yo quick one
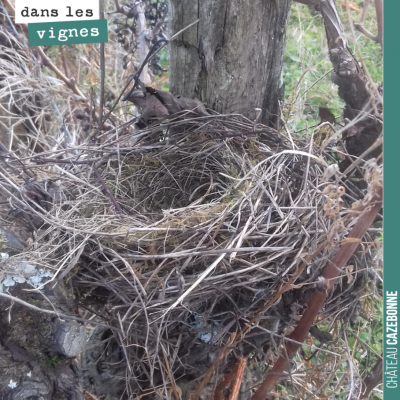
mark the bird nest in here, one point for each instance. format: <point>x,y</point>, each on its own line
<point>177,235</point>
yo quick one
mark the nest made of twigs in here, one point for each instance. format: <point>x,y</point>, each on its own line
<point>183,231</point>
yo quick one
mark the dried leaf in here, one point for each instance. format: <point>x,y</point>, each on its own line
<point>349,270</point>
<point>326,115</point>
<point>153,108</point>
<point>92,78</point>
<point>351,5</point>
<point>154,103</point>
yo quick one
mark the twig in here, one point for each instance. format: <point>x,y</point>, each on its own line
<point>170,375</point>
<point>58,314</point>
<point>378,38</point>
<point>235,338</point>
<point>107,191</point>
<point>364,11</point>
<point>236,376</point>
<point>379,20</point>
<point>135,80</point>
<point>330,276</point>
<point>69,82</point>
<point>355,163</point>
<point>64,61</point>
<point>138,13</point>
<point>160,44</point>
<point>92,396</point>
<point>46,60</point>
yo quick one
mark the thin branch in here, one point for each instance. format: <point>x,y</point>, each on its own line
<point>236,338</point>
<point>138,13</point>
<point>233,379</point>
<point>354,164</point>
<point>330,276</point>
<point>378,38</point>
<point>154,50</point>
<point>58,314</point>
<point>364,11</point>
<point>379,20</point>
<point>70,82</point>
<point>107,191</point>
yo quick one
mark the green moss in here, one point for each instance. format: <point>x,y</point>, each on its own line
<point>53,361</point>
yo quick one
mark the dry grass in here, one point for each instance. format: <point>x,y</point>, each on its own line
<point>175,233</point>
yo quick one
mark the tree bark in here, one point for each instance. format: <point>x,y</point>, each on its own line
<point>232,58</point>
